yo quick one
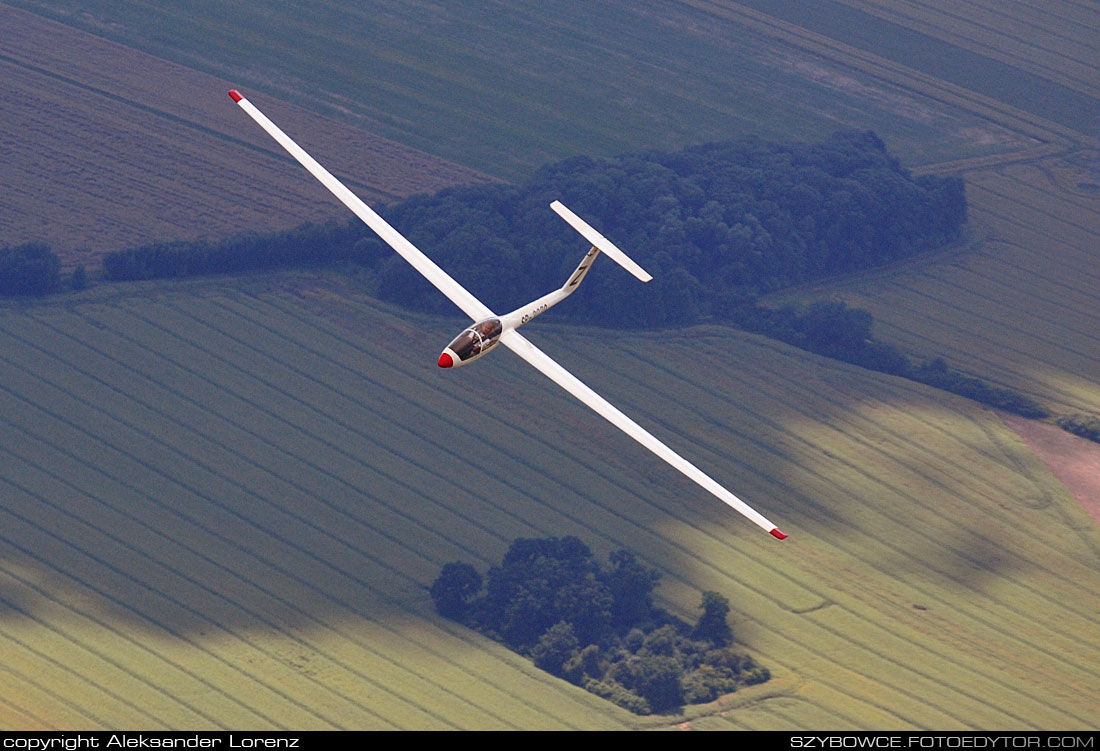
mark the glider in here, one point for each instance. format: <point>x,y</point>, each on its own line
<point>489,329</point>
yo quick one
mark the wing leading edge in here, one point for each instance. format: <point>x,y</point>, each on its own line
<point>454,291</point>
<point>559,375</point>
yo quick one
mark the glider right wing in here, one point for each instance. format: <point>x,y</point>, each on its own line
<point>559,375</point>
<point>511,338</point>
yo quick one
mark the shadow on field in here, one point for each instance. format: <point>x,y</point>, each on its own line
<point>246,475</point>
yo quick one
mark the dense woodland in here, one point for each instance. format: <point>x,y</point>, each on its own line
<point>29,269</point>
<point>718,225</point>
<point>550,600</point>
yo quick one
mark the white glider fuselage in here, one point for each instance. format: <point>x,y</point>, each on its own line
<point>482,337</point>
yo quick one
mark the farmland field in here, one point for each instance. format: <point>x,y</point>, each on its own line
<point>1019,306</point>
<point>930,37</point>
<point>106,147</point>
<point>1057,41</point>
<point>227,498</point>
<point>505,88</point>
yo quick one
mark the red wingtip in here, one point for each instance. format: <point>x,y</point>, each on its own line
<point>445,361</point>
<point>235,95</point>
<point>778,535</point>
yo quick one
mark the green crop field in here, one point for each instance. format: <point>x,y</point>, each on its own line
<point>1018,306</point>
<point>505,88</point>
<point>1054,40</point>
<point>224,502</point>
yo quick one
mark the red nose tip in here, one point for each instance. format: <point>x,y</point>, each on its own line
<point>445,361</point>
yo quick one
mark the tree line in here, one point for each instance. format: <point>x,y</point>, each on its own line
<point>718,225</point>
<point>1086,426</point>
<point>832,329</point>
<point>29,269</point>
<point>308,245</point>
<point>550,600</point>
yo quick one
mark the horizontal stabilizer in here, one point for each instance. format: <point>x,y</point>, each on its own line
<point>601,242</point>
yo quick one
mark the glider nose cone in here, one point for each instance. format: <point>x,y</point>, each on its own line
<point>445,360</point>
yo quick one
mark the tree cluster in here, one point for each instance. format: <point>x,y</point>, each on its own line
<point>716,224</point>
<point>1086,426</point>
<point>598,628</point>
<point>307,245</point>
<point>832,329</point>
<point>936,373</point>
<point>29,269</point>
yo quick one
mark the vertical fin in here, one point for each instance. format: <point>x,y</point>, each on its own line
<point>582,269</point>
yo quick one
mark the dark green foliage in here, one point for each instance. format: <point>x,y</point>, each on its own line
<point>618,694</point>
<point>307,245</point>
<point>707,684</point>
<point>936,373</point>
<point>631,585</point>
<point>543,582</point>
<point>712,626</point>
<point>597,628</point>
<point>722,671</point>
<point>716,224</point>
<point>713,223</point>
<point>79,279</point>
<point>834,330</point>
<point>1086,426</point>
<point>555,648</point>
<point>585,664</point>
<point>457,584</point>
<point>656,678</point>
<point>29,269</point>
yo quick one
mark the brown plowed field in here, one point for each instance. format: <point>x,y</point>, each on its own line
<point>124,149</point>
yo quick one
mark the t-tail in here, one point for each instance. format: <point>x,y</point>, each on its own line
<point>523,314</point>
<point>482,337</point>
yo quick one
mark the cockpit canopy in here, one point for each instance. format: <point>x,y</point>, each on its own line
<point>476,340</point>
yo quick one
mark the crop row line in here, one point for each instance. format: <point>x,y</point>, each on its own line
<point>120,543</point>
<point>224,318</point>
<point>752,585</point>
<point>304,491</point>
<point>990,623</point>
<point>941,707</point>
<point>950,25</point>
<point>674,394</point>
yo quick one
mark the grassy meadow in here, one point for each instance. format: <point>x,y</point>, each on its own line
<point>224,501</point>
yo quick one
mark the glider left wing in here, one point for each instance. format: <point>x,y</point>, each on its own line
<point>516,342</point>
<point>454,291</point>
